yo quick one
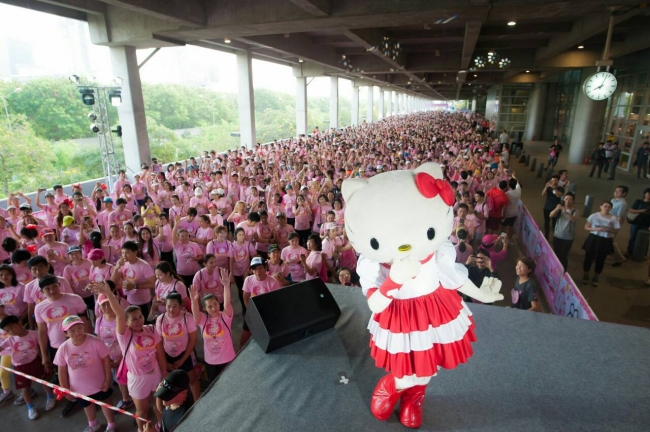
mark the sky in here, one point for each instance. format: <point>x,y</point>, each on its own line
<point>49,45</point>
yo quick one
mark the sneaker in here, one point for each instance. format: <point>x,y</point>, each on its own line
<point>50,404</point>
<point>32,414</point>
<point>594,281</point>
<point>124,405</point>
<point>585,278</point>
<point>69,407</point>
<point>21,401</point>
<point>4,397</point>
<point>93,428</point>
<point>110,429</point>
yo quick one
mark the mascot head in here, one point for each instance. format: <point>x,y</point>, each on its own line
<point>399,213</point>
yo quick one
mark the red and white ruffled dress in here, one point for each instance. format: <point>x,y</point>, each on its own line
<point>427,325</point>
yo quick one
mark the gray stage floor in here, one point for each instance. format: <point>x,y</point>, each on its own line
<point>529,372</point>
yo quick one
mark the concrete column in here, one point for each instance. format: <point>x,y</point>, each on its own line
<point>355,106</point>
<point>588,122</point>
<point>536,109</point>
<point>395,97</point>
<point>135,139</point>
<point>380,104</point>
<point>246,101</point>
<point>334,102</point>
<point>301,105</point>
<point>474,104</point>
<point>371,96</point>
<point>389,103</point>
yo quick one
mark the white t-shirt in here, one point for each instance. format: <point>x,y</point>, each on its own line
<point>596,220</point>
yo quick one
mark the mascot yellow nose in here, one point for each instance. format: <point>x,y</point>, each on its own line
<point>404,248</point>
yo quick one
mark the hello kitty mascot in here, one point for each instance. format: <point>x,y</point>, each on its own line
<point>400,222</point>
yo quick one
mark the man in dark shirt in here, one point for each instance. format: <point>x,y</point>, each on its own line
<point>641,160</point>
<point>553,196</point>
<point>598,160</point>
<point>479,267</point>
<point>615,159</point>
<point>173,399</point>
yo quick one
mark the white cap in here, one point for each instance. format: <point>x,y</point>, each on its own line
<point>256,261</point>
<point>219,191</point>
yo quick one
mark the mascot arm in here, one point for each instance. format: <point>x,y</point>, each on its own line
<point>487,293</point>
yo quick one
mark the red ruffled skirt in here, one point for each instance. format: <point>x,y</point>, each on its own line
<point>417,336</point>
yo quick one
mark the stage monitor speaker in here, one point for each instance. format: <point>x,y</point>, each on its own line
<point>287,315</point>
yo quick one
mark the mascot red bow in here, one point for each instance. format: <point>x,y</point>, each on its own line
<point>400,223</point>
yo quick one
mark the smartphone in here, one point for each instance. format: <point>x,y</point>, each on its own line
<point>503,234</point>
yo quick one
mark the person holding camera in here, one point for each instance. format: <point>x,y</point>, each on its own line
<point>479,266</point>
<point>565,228</point>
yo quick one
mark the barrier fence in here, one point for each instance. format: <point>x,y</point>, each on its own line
<point>561,292</point>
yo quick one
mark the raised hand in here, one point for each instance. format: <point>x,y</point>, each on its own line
<point>195,293</point>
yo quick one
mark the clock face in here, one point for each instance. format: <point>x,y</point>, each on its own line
<point>600,85</point>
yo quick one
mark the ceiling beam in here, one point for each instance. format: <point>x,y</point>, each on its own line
<point>639,40</point>
<point>472,32</point>
<point>581,30</point>
<point>87,6</point>
<point>319,8</point>
<point>188,12</point>
<point>48,8</point>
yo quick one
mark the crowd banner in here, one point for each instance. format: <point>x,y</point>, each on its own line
<point>560,290</point>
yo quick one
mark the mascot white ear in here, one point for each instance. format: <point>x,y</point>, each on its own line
<point>431,168</point>
<point>350,186</point>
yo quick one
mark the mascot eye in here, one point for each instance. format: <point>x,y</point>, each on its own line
<point>374,244</point>
<point>431,233</point>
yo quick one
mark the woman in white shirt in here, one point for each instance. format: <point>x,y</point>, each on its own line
<point>602,227</point>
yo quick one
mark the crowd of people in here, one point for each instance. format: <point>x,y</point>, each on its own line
<point>123,285</point>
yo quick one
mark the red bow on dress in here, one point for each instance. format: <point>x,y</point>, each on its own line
<point>431,187</point>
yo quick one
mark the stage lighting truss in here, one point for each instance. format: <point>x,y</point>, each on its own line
<point>504,63</point>
<point>100,98</point>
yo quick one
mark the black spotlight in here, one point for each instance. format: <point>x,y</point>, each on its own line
<point>115,96</point>
<point>87,96</point>
<point>95,128</point>
<point>118,131</point>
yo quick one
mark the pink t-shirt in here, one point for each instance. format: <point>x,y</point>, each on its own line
<point>209,283</point>
<point>141,355</point>
<point>249,230</point>
<point>163,289</point>
<point>289,201</point>
<point>185,264</point>
<point>23,350</point>
<point>204,234</point>
<point>33,293</point>
<point>175,332</point>
<point>137,273</point>
<point>12,297</point>
<point>101,274</point>
<point>106,331</point>
<point>190,227</point>
<point>282,235</point>
<point>222,252</point>
<point>263,232</point>
<point>217,339</point>
<point>242,254</point>
<point>78,277</point>
<point>302,219</point>
<point>279,268</point>
<point>296,269</point>
<point>315,260</point>
<point>165,246</point>
<point>85,368</point>
<point>60,250</point>
<point>256,287</point>
<point>23,274</point>
<point>119,217</point>
<point>53,312</point>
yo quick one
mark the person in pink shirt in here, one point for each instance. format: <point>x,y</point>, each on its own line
<point>135,276</point>
<point>70,231</point>
<point>289,201</point>
<point>282,231</point>
<point>19,260</point>
<point>143,354</point>
<point>119,184</point>
<point>220,247</point>
<point>188,223</point>
<point>148,250</point>
<point>50,208</point>
<point>55,252</point>
<point>199,201</point>
<point>462,220</point>
<point>497,246</point>
<point>22,347</point>
<point>315,264</point>
<point>12,293</point>
<point>331,243</point>
<point>204,233</point>
<point>39,267</point>
<point>100,270</point>
<point>120,214</point>
<point>59,196</point>
<point>463,249</point>
<point>85,367</point>
<point>77,273</point>
<point>242,252</point>
<point>188,254</point>
<point>139,189</point>
<point>163,240</point>
<point>114,238</point>
<point>167,282</point>
<point>303,215</point>
<point>275,267</point>
<point>208,279</point>
<point>291,255</point>
<point>263,234</point>
<point>177,329</point>
<point>216,219</point>
<point>215,325</point>
<point>256,284</point>
<point>105,329</point>
<point>238,214</point>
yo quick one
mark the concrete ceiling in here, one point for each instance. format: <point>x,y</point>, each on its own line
<point>440,39</point>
